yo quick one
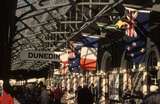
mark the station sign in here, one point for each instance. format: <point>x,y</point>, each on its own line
<point>40,56</point>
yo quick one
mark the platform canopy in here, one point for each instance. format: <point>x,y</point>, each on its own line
<point>48,26</point>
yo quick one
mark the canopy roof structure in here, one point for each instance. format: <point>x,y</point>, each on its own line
<point>58,20</point>
<point>48,25</point>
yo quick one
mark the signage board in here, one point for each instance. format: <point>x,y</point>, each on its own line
<point>40,56</point>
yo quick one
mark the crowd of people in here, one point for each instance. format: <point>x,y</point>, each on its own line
<point>38,93</point>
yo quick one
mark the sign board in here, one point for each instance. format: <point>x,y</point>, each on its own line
<point>40,56</point>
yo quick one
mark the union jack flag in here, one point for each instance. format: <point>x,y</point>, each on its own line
<point>131,16</point>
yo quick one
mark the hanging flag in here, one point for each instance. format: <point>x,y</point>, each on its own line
<point>136,42</point>
<point>88,59</point>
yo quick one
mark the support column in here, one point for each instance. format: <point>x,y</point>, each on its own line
<point>7,21</point>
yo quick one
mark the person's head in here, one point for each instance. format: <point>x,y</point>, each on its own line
<point>41,84</point>
<point>43,87</point>
<point>79,87</point>
<point>85,85</point>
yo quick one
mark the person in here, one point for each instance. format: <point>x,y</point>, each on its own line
<point>85,96</point>
<point>94,91</point>
<point>71,96</point>
<point>57,95</point>
<point>44,97</point>
<point>152,97</point>
<point>64,98</point>
<point>7,94</point>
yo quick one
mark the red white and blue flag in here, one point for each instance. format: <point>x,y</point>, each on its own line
<point>138,26</point>
<point>131,15</point>
<point>88,59</point>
